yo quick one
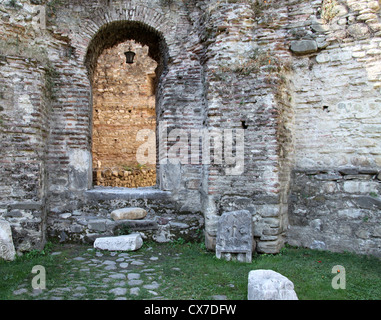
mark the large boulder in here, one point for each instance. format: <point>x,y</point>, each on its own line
<point>128,214</point>
<point>7,248</point>
<point>131,242</point>
<point>270,285</point>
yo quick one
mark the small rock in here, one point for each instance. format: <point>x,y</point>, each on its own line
<point>133,276</point>
<point>153,286</point>
<point>79,259</point>
<point>65,215</point>
<point>153,292</point>
<point>119,291</point>
<point>119,276</point>
<point>162,221</point>
<point>37,292</point>
<point>135,291</point>
<point>80,288</point>
<point>135,282</point>
<point>19,292</point>
<point>111,267</point>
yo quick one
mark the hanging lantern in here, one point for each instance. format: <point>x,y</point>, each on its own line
<point>130,55</point>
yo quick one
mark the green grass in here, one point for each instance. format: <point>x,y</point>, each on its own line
<point>203,275</point>
<point>188,271</point>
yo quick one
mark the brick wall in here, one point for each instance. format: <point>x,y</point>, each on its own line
<point>123,104</point>
<point>300,78</point>
<point>23,139</point>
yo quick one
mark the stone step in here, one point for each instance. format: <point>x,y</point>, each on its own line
<point>138,225</point>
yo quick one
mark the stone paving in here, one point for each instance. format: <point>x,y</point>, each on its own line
<point>101,275</point>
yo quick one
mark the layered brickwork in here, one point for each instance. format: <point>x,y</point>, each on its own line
<point>300,78</point>
<point>247,68</point>
<point>23,138</point>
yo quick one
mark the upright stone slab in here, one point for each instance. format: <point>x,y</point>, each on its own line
<point>270,285</point>
<point>130,242</point>
<point>235,236</point>
<point>7,248</point>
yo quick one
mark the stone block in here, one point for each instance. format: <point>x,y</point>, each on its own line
<point>270,246</point>
<point>304,46</point>
<point>138,225</point>
<point>7,249</point>
<point>129,214</point>
<point>358,30</point>
<point>98,225</point>
<point>131,242</point>
<point>270,285</point>
<point>235,236</point>
<point>210,242</point>
<point>360,187</point>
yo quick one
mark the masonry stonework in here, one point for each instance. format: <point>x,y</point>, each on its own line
<point>301,79</point>
<point>123,104</point>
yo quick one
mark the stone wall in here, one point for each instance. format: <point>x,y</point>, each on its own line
<point>163,223</point>
<point>336,210</point>
<point>337,79</point>
<point>23,137</point>
<point>300,79</point>
<point>131,178</point>
<point>123,104</point>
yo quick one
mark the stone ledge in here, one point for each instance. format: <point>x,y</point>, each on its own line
<point>107,193</point>
<point>138,225</point>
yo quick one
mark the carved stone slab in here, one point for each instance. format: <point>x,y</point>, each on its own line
<point>7,248</point>
<point>235,236</point>
<point>131,242</point>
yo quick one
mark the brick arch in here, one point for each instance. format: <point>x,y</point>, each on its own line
<point>104,17</point>
<point>117,32</point>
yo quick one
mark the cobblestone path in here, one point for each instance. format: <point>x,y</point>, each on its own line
<point>93,274</point>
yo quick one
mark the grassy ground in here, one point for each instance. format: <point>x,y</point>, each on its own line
<point>190,272</point>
